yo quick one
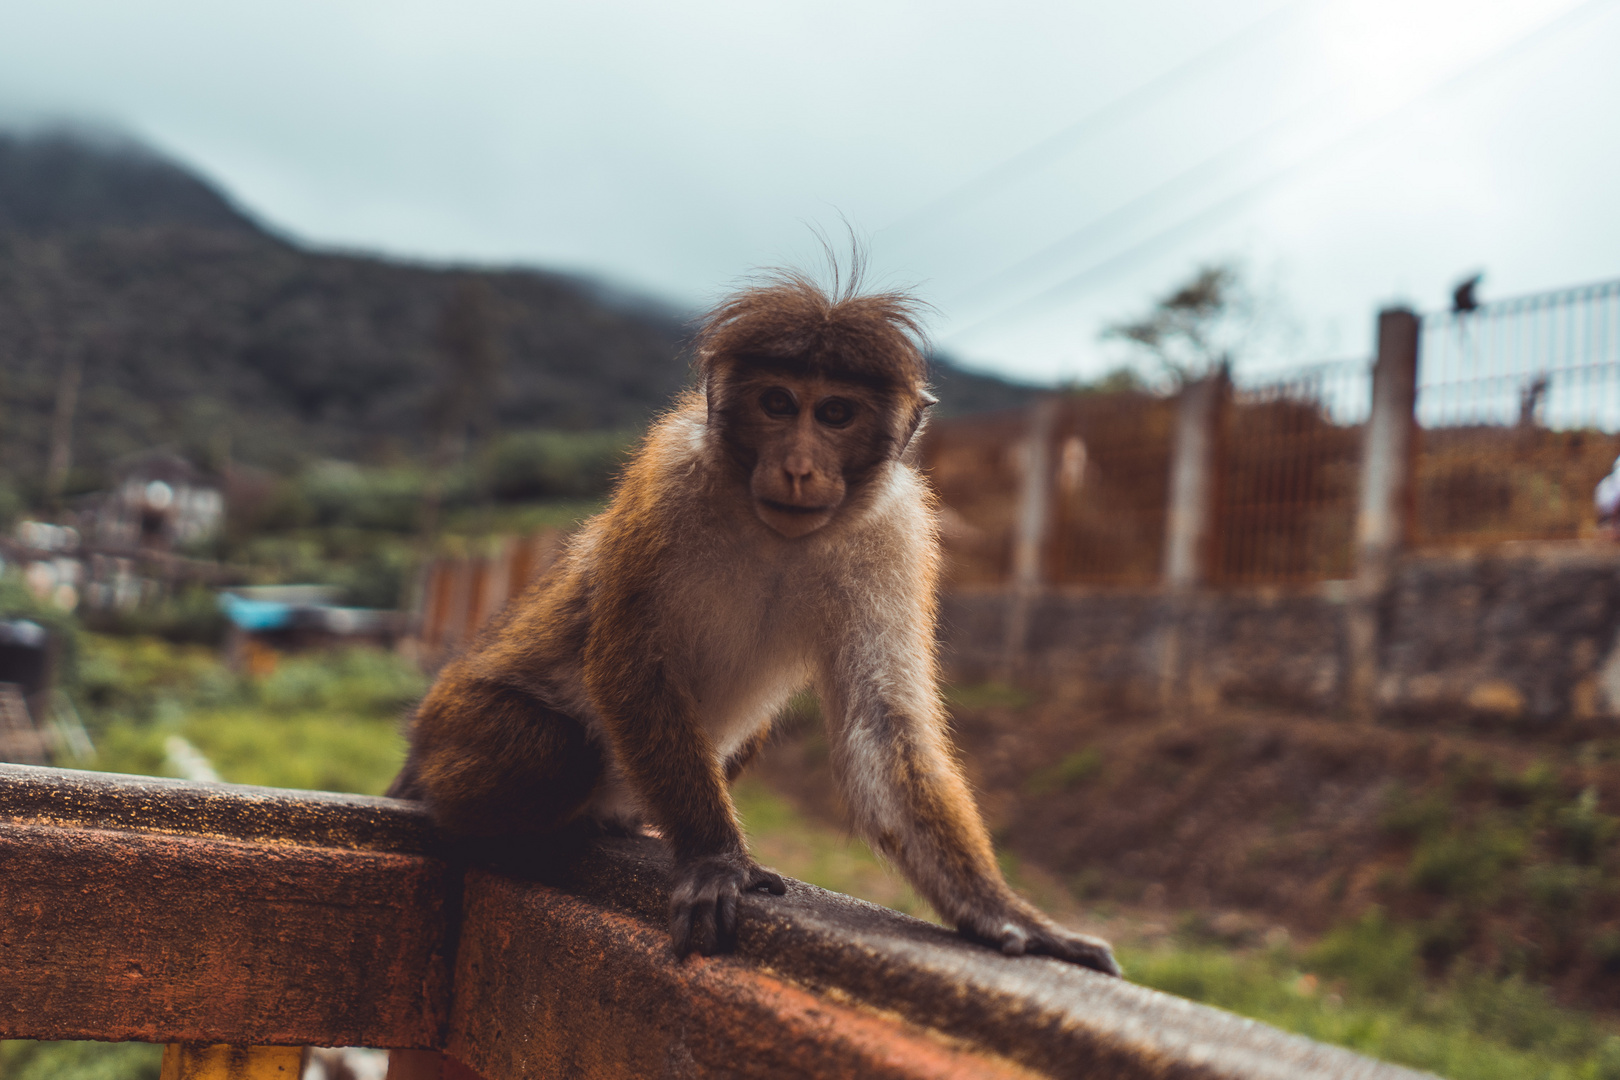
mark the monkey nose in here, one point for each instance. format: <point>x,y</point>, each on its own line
<point>798,470</point>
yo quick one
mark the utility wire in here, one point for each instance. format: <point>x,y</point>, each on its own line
<point>1167,237</point>
<point>1055,146</point>
<point>1141,206</point>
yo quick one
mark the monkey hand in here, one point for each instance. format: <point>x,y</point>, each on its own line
<point>1018,929</point>
<point>703,900</point>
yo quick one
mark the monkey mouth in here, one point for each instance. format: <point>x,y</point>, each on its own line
<point>790,508</point>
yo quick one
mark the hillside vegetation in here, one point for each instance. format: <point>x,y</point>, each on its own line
<point>179,321</point>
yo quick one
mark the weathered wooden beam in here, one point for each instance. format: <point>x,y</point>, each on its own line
<point>168,912</point>
<point>171,912</point>
<point>571,975</point>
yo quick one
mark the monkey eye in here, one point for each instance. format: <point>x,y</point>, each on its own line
<point>835,411</point>
<point>778,402</point>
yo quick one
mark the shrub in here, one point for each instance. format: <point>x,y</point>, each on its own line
<point>555,464</point>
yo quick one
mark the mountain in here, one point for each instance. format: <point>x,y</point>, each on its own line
<point>186,324</point>
<point>61,181</point>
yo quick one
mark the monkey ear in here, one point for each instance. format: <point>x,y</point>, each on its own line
<point>925,401</point>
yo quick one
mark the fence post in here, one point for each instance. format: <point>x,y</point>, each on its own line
<point>1384,516</point>
<point>1189,531</point>
<point>1029,535</point>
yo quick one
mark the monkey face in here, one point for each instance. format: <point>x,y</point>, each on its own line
<point>804,443</point>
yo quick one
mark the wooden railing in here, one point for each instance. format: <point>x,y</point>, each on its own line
<point>233,923</point>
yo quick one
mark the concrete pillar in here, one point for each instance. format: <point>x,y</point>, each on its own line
<point>1189,531</point>
<point>1384,517</point>
<point>1030,532</point>
<point>1190,528</point>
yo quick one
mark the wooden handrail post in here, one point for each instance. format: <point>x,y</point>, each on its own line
<point>202,1061</point>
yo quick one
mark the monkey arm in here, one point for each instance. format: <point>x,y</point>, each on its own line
<point>652,723</point>
<point>907,794</point>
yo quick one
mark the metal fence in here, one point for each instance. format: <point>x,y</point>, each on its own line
<point>1291,450</point>
<point>1519,408</point>
<point>1517,414</point>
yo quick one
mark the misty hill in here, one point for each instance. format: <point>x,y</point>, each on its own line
<point>63,182</point>
<point>192,327</point>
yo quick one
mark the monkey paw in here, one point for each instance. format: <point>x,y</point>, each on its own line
<point>703,901</point>
<point>1016,933</point>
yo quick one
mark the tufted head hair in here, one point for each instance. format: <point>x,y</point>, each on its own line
<point>790,323</point>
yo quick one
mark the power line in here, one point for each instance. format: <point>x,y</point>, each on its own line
<point>1167,237</point>
<point>1055,146</point>
<point>1140,206</point>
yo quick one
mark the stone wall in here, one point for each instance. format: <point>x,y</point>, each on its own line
<point>1517,632</point>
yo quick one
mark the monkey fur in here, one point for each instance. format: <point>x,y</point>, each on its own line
<point>768,535</point>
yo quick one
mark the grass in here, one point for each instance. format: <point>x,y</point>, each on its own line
<point>21,1060</point>
<point>326,721</point>
<point>1361,987</point>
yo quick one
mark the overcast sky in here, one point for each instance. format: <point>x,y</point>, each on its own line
<point>1034,169</point>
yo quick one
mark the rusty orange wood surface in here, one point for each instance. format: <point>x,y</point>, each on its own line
<point>170,912</point>
<point>120,933</point>
<point>598,993</point>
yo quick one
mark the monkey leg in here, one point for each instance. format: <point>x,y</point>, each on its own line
<point>492,760</point>
<point>748,751</point>
<point>910,802</point>
<point>670,762</point>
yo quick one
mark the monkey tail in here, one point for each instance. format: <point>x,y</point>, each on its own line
<point>408,784</point>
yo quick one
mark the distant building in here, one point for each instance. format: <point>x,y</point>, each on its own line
<point>160,501</point>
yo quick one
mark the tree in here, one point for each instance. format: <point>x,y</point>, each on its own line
<point>1197,326</point>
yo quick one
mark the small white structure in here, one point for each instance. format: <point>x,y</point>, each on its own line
<point>160,501</point>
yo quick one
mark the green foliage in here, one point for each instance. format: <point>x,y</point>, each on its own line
<point>1363,986</point>
<point>369,567</point>
<point>1492,844</point>
<point>327,721</point>
<point>987,695</point>
<point>12,504</point>
<point>20,1060</point>
<point>1584,829</point>
<point>1378,957</point>
<point>191,616</point>
<point>340,493</point>
<point>1466,862</point>
<point>1409,817</point>
<point>555,464</point>
<point>1072,769</point>
<point>1196,326</point>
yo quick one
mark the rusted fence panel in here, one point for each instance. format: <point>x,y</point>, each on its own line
<point>1106,484</point>
<point>462,592</point>
<point>164,911</point>
<point>1287,449</point>
<point>1290,474</point>
<point>1519,405</point>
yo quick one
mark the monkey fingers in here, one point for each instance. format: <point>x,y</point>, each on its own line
<point>703,901</point>
<point>1019,933</point>
<point>1072,948</point>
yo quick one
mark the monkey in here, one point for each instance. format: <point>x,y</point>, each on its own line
<point>771,533</point>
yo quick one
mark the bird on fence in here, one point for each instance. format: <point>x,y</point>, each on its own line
<point>1463,299</point>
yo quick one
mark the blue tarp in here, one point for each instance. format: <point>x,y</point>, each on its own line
<point>256,614</point>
